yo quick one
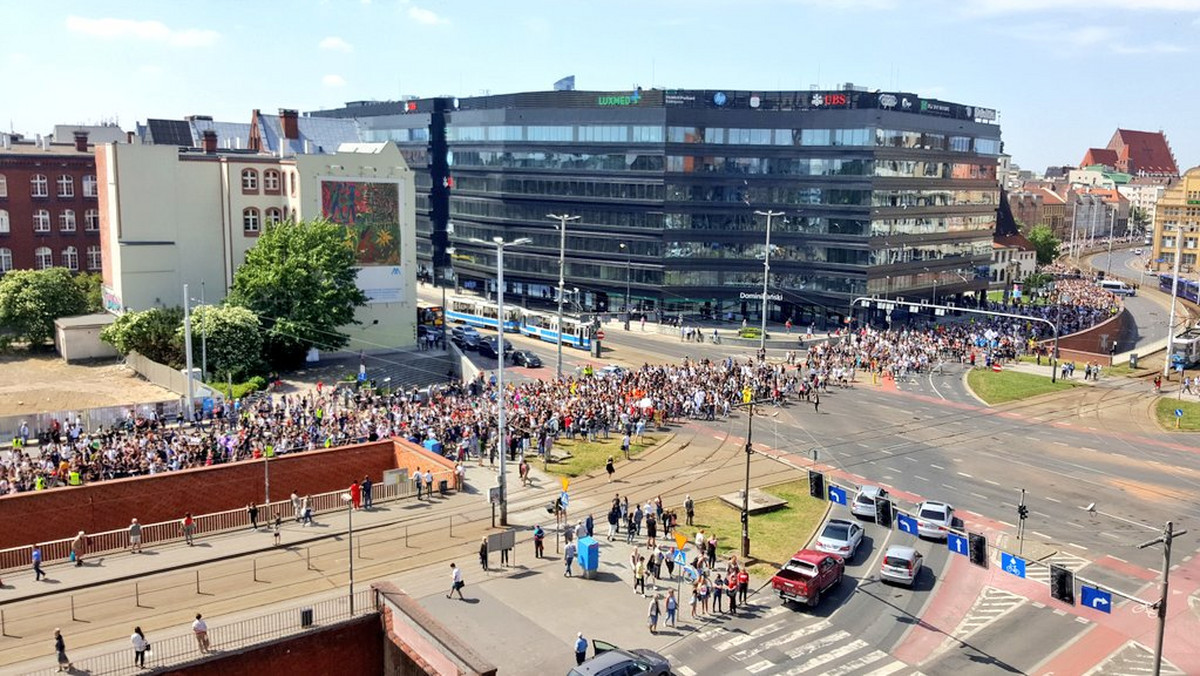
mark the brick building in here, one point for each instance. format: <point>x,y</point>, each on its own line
<point>49,213</point>
<point>1138,153</point>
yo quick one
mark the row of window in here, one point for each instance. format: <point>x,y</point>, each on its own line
<point>272,181</point>
<point>583,133</point>
<point>557,161</point>
<point>747,251</point>
<point>747,222</point>
<point>66,221</point>
<point>39,186</point>
<point>43,258</point>
<point>252,219</point>
<point>464,207</point>
<point>398,135</point>
<point>561,188</point>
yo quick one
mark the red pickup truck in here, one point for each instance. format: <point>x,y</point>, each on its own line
<point>808,575</point>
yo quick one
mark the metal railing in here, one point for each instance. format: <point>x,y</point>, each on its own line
<point>164,532</point>
<point>183,648</point>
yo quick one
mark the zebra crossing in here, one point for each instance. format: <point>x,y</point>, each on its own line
<point>780,648</point>
<point>1132,658</point>
<point>991,605</point>
<point>1041,573</point>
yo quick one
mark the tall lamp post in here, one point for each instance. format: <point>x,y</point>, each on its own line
<point>350,544</point>
<point>628,249</point>
<point>500,245</point>
<point>562,219</point>
<point>762,339</point>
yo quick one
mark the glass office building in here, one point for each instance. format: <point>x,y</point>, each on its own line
<point>881,194</point>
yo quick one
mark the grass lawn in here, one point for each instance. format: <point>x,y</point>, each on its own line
<point>1164,411</point>
<point>587,456</point>
<point>997,388</point>
<point>774,536</point>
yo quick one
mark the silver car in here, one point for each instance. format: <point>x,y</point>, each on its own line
<point>934,519</point>
<point>840,537</point>
<point>901,565</point>
<point>610,660</point>
<point>863,503</point>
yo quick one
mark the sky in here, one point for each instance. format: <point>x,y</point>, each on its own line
<point>1064,74</point>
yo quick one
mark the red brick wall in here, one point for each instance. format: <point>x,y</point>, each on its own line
<point>40,516</point>
<point>18,169</point>
<point>352,648</point>
<point>1088,345</point>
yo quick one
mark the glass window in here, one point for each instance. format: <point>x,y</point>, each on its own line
<point>505,133</point>
<point>5,260</point>
<point>3,186</point>
<point>783,137</point>
<point>70,258</point>
<point>89,186</point>
<point>987,146</point>
<point>43,258</point>
<point>714,135</point>
<point>466,134</point>
<point>249,180</point>
<point>66,220</point>
<point>66,186</point>
<point>39,186</point>
<point>684,134</point>
<point>550,133</point>
<point>647,134</point>
<point>4,225</point>
<point>960,144</point>
<point>93,257</point>
<point>91,220</point>
<point>271,180</point>
<point>41,221</point>
<point>603,133</point>
<point>814,137</point>
<point>250,221</point>
<point>274,216</point>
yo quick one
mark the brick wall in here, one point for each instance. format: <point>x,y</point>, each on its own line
<point>355,647</point>
<point>60,513</point>
<point>1094,343</point>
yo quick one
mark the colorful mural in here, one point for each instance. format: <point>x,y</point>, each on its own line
<point>371,213</point>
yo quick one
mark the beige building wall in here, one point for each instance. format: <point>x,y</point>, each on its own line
<point>1178,213</point>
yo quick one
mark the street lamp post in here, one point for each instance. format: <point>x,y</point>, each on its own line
<point>628,249</point>
<point>562,219</point>
<point>762,339</point>
<point>500,245</point>
<point>350,544</point>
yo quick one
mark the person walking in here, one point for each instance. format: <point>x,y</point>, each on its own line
<point>569,558</point>
<point>483,553</point>
<point>614,517</point>
<point>296,504</point>
<point>429,482</point>
<point>580,649</point>
<point>79,548</point>
<point>135,536</point>
<point>639,576</point>
<point>417,482</point>
<point>140,646</point>
<point>456,582</point>
<point>610,468</point>
<point>200,629</point>
<point>652,614</point>
<point>306,512</point>
<point>278,526</point>
<point>36,555</point>
<point>672,605</point>
<point>366,492</point>
<point>689,510</point>
<point>60,652</point>
<point>539,542</point>
<point>252,512</point>
<point>188,528</point>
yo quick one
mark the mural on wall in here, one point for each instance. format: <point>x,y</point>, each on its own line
<point>370,210</point>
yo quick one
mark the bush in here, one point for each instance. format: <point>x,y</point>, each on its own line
<point>151,333</point>
<point>240,390</point>
<point>751,332</point>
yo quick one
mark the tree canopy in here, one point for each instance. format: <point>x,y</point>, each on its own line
<point>300,280</point>
<point>230,336</point>
<point>30,301</point>
<point>1046,244</point>
<point>152,333</point>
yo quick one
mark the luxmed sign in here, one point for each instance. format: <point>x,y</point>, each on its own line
<point>619,100</point>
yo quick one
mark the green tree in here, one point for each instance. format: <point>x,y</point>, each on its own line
<point>91,284</point>
<point>232,335</point>
<point>300,280</point>
<point>1043,239</point>
<point>152,333</point>
<point>1139,220</point>
<point>30,301</point>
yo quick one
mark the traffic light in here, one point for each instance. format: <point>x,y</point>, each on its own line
<point>816,484</point>
<point>1022,512</point>
<point>977,549</point>
<point>883,512</point>
<point>1062,584</point>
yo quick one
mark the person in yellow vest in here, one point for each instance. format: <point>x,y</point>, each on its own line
<point>40,483</point>
<point>74,478</point>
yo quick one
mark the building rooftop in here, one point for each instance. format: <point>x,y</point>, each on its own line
<point>1148,152</point>
<point>24,147</point>
<point>97,133</point>
<point>1102,156</point>
<point>316,134</point>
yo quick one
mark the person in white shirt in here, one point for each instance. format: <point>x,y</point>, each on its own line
<point>456,582</point>
<point>140,646</point>
<point>200,628</point>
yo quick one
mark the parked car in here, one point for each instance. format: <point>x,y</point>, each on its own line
<point>465,337</point>
<point>934,519</point>
<point>901,565</point>
<point>864,502</point>
<point>526,358</point>
<point>807,575</point>
<point>840,537</point>
<point>609,660</point>
<point>488,347</point>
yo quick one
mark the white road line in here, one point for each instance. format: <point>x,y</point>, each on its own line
<point>835,654</point>
<point>1109,556</point>
<point>1061,443</point>
<point>760,666</point>
<point>864,661</point>
<point>882,450</point>
<point>1028,437</point>
<point>683,670</point>
<point>1040,534</point>
<point>818,644</point>
<point>1110,535</point>
<point>767,629</point>
<point>1047,497</point>
<point>888,670</point>
<point>915,476</point>
<point>936,466</point>
<point>1072,544</point>
<point>994,483</point>
<point>910,459</point>
<point>962,474</point>
<point>978,495</point>
<point>948,487</point>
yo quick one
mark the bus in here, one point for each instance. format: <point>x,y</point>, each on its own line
<point>1189,289</point>
<point>544,325</point>
<point>429,314</point>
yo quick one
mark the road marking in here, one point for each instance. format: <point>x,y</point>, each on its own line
<point>835,654</point>
<point>981,497</point>
<point>864,661</point>
<point>948,487</point>
<point>1040,534</point>
<point>888,670</point>
<point>1072,544</point>
<point>884,450</point>
<point>994,483</point>
<point>1061,443</point>
<point>964,474</point>
<point>1110,535</point>
<point>910,459</point>
<point>957,459</point>
<point>685,671</point>
<point>760,666</point>
<point>743,655</point>
<point>936,466</point>
<point>1053,499</point>
<point>1027,437</point>
<point>920,477</point>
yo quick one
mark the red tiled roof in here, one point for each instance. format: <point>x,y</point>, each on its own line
<point>1104,156</point>
<point>1049,196</point>
<point>1147,152</point>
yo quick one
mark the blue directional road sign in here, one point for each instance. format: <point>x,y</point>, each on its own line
<point>680,557</point>
<point>1179,413</point>
<point>1013,565</point>
<point>906,524</point>
<point>957,544</point>
<point>564,499</point>
<point>1096,598</point>
<point>837,495</point>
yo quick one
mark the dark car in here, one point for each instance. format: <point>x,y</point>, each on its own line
<point>613,661</point>
<point>488,347</point>
<point>526,358</point>
<point>466,337</point>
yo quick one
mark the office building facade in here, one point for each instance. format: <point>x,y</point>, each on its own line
<point>881,194</point>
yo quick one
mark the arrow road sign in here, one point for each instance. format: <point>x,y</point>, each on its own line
<point>906,523</point>
<point>1179,413</point>
<point>957,544</point>
<point>837,495</point>
<point>1096,598</point>
<point>1012,565</point>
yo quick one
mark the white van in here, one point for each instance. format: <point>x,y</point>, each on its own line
<point>1117,287</point>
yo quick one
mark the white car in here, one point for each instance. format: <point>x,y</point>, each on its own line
<point>610,371</point>
<point>1137,252</point>
<point>840,537</point>
<point>863,503</point>
<point>934,519</point>
<point>901,565</point>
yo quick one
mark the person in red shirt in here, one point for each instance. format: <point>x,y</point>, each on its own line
<point>743,584</point>
<point>356,494</point>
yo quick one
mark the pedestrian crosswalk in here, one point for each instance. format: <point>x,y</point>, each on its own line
<point>1132,658</point>
<point>1041,573</point>
<point>991,605</point>
<point>782,647</point>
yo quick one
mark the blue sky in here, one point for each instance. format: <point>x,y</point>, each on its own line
<point>1063,73</point>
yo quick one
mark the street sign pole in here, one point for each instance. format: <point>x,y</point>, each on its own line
<point>1165,539</point>
<point>746,492</point>
<point>1021,512</point>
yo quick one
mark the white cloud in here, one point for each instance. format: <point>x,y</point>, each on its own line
<point>1152,48</point>
<point>1057,35</point>
<point>333,81</point>
<point>149,31</point>
<point>426,16</point>
<point>334,43</point>
<point>1014,6</point>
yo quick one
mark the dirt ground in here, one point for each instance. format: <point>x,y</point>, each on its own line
<point>33,384</point>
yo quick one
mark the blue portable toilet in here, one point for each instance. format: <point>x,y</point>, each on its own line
<point>588,556</point>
